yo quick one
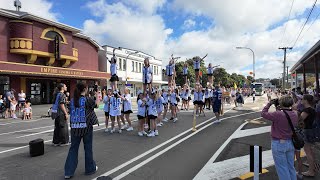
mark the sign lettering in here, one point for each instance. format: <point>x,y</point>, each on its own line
<point>60,71</point>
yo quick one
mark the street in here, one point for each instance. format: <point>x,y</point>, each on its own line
<point>177,153</point>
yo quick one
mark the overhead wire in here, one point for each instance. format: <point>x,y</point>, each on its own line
<point>314,4</point>
<point>314,20</point>
<point>285,27</point>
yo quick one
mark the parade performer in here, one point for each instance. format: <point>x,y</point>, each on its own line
<point>174,104</point>
<point>170,68</point>
<point>152,115</point>
<point>142,105</point>
<point>115,111</point>
<point>160,104</point>
<point>165,96</point>
<point>216,105</point>
<point>198,98</point>
<point>147,76</point>
<point>106,108</point>
<point>113,69</point>
<point>210,71</point>
<point>196,65</point>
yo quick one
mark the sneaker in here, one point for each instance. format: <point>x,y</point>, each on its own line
<point>197,115</point>
<point>130,129</point>
<point>159,125</point>
<point>151,134</point>
<point>140,134</point>
<point>119,131</point>
<point>165,120</point>
<point>112,131</point>
<point>219,121</point>
<point>106,130</point>
<point>144,133</point>
<point>156,133</point>
<point>124,127</point>
<point>66,144</point>
<point>55,145</point>
<point>175,120</point>
<point>14,116</point>
<point>216,122</point>
<point>67,177</point>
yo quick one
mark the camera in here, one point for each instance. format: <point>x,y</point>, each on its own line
<point>275,102</point>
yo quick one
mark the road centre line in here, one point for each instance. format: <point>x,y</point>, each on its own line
<point>22,121</point>
<point>163,144</point>
<point>24,130</point>
<point>167,149</point>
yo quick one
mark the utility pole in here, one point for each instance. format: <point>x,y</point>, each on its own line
<point>284,64</point>
<point>287,76</point>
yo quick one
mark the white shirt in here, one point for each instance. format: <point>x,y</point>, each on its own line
<point>113,66</point>
<point>115,104</point>
<point>127,103</point>
<point>173,98</point>
<point>185,70</point>
<point>198,96</point>
<point>165,97</point>
<point>21,97</point>
<point>169,69</point>
<point>159,103</point>
<point>152,108</point>
<point>106,106</point>
<point>147,74</point>
<point>141,108</point>
<point>196,64</point>
<point>210,70</point>
<point>207,93</point>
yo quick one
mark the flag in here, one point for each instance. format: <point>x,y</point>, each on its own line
<point>235,86</point>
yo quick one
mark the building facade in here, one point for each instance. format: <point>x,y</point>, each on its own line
<point>36,54</point>
<point>130,63</point>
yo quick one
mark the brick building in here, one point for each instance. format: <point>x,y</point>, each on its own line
<point>37,53</point>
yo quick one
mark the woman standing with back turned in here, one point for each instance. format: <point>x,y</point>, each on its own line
<point>82,120</point>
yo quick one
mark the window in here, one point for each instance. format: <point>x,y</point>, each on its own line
<point>136,66</point>
<point>124,65</point>
<point>157,70</point>
<point>120,63</point>
<point>52,35</point>
<point>140,67</point>
<point>132,66</point>
<point>154,69</point>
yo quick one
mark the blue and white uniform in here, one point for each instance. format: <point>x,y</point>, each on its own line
<point>147,75</point>
<point>115,106</point>
<point>127,105</point>
<point>141,109</point>
<point>185,71</point>
<point>217,96</point>
<point>106,106</point>
<point>165,97</point>
<point>173,99</point>
<point>196,65</point>
<point>210,71</point>
<point>160,102</point>
<point>113,69</point>
<point>152,109</point>
<point>198,98</point>
<point>170,69</point>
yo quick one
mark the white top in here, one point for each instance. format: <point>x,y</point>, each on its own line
<point>21,97</point>
<point>173,98</point>
<point>152,108</point>
<point>207,93</point>
<point>233,92</point>
<point>198,96</point>
<point>159,103</point>
<point>184,95</point>
<point>106,106</point>
<point>185,71</point>
<point>147,74</point>
<point>115,104</point>
<point>113,66</point>
<point>165,97</point>
<point>27,110</point>
<point>141,108</point>
<point>196,64</point>
<point>169,69</point>
<point>127,103</point>
<point>210,70</point>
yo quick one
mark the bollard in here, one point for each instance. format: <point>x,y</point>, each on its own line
<point>256,161</point>
<point>194,118</point>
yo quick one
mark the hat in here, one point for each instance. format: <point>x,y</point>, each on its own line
<point>109,88</point>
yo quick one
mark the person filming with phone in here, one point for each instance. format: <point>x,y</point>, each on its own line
<point>283,149</point>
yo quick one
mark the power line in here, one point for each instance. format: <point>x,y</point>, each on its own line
<point>285,27</point>
<point>314,4</point>
<point>311,24</point>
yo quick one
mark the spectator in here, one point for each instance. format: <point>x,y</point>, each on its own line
<point>9,95</point>
<point>21,99</point>
<point>81,130</point>
<point>308,116</point>
<point>13,106</point>
<point>281,134</point>
<point>27,111</point>
<point>61,132</point>
<point>2,106</point>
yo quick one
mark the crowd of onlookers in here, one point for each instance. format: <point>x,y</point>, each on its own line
<point>12,103</point>
<point>303,111</point>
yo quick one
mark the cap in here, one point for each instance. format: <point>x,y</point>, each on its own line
<point>109,88</point>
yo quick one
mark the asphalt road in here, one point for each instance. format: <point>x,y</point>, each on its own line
<point>177,153</point>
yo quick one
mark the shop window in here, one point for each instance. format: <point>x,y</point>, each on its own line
<point>140,67</point>
<point>124,65</point>
<point>120,63</point>
<point>132,66</point>
<point>4,84</point>
<point>154,69</point>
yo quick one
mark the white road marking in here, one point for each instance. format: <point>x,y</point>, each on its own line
<point>24,130</point>
<point>253,131</point>
<point>22,121</point>
<point>234,167</point>
<point>161,145</point>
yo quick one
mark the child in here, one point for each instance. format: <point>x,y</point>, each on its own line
<point>185,72</point>
<point>13,105</point>
<point>113,69</point>
<point>210,74</point>
<point>141,113</point>
<point>196,65</point>
<point>127,107</point>
<point>165,98</point>
<point>106,108</point>
<point>160,103</point>
<point>115,112</point>
<point>27,111</point>
<point>147,76</point>
<point>152,115</point>
<point>197,99</point>
<point>174,104</point>
<point>170,72</point>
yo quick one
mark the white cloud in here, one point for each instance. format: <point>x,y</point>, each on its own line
<point>189,23</point>
<point>42,8</point>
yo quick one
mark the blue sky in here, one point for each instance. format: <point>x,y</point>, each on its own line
<point>190,28</point>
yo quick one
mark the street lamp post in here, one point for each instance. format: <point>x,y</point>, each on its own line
<point>127,64</point>
<point>253,57</point>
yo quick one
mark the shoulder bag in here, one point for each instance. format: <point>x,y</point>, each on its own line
<point>297,136</point>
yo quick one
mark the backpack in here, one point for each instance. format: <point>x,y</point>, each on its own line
<point>78,118</point>
<point>55,107</point>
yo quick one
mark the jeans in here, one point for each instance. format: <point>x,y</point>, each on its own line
<point>72,159</point>
<point>283,156</point>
